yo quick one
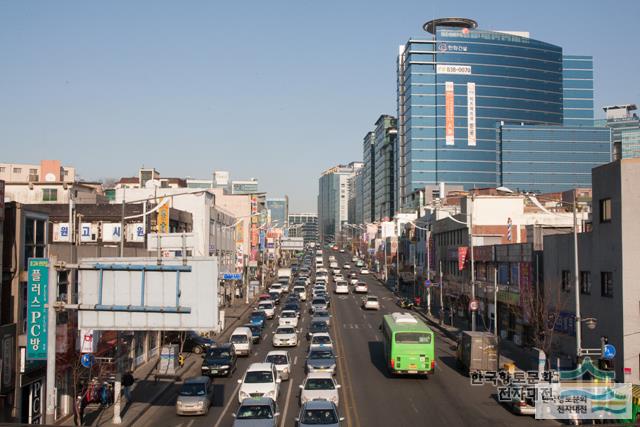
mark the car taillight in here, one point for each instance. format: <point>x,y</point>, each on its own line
<point>393,363</point>
<point>522,403</point>
<point>433,364</point>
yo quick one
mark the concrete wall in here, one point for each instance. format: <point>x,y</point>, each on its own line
<point>630,191</point>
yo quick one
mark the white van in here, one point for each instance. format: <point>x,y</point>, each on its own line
<point>241,340</point>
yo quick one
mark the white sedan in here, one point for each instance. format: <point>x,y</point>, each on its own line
<point>319,385</point>
<point>288,318</point>
<point>364,271</point>
<point>346,267</point>
<point>361,288</point>
<point>280,358</point>
<point>342,287</point>
<point>370,303</point>
<point>285,336</point>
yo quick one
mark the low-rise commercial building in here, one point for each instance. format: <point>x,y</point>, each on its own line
<point>608,271</point>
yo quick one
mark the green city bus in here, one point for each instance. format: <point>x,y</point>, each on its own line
<point>409,345</point>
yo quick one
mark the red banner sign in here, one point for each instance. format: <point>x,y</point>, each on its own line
<point>462,256</point>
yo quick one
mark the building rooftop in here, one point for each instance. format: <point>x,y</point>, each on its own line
<point>432,25</point>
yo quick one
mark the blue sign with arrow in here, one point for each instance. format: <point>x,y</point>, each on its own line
<point>232,276</point>
<point>427,283</point>
<point>609,351</point>
<point>87,360</point>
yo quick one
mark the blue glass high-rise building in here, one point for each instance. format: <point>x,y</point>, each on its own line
<point>457,87</point>
<point>577,81</point>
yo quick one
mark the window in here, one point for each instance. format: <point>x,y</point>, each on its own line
<point>585,282</point>
<point>605,210</point>
<point>2,169</point>
<point>606,284</point>
<point>33,171</point>
<point>35,240</point>
<point>49,195</point>
<point>566,280</point>
<point>17,170</point>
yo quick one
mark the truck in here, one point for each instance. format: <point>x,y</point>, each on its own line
<point>477,351</point>
<point>284,273</point>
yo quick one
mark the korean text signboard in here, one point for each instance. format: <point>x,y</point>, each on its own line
<point>36,311</point>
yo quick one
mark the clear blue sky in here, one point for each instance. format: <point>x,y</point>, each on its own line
<point>276,90</point>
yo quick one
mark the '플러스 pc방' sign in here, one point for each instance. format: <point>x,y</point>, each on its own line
<point>36,311</point>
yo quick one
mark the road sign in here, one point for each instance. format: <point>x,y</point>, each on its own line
<point>87,360</point>
<point>427,283</point>
<point>232,276</point>
<point>609,351</point>
<point>473,305</point>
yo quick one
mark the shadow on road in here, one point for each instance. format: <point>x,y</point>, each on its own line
<point>452,362</point>
<point>376,355</point>
<point>218,395</point>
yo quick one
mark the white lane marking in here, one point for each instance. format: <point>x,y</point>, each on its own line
<point>295,360</point>
<point>191,423</point>
<point>264,337</point>
<point>370,327</point>
<point>286,404</point>
<point>232,398</point>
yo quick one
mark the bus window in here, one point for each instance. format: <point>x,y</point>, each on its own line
<point>413,338</point>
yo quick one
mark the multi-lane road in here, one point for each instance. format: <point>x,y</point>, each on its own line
<point>369,396</point>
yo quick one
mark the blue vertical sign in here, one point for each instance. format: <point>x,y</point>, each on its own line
<point>36,312</point>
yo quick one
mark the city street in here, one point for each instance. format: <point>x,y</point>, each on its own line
<point>369,397</point>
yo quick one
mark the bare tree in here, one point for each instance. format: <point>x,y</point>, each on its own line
<point>541,314</point>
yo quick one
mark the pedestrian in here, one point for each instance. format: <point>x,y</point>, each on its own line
<point>127,382</point>
<point>237,292</point>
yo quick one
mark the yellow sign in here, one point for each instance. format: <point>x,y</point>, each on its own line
<point>163,218</point>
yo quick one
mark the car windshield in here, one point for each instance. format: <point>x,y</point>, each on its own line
<point>319,384</point>
<point>413,338</point>
<point>257,316</point>
<point>258,377</point>
<point>254,412</point>
<point>319,416</point>
<point>322,313</point>
<point>318,301</point>
<point>322,339</point>
<point>218,353</point>
<point>288,314</point>
<point>192,389</point>
<point>267,305</point>
<point>372,299</point>
<point>285,331</point>
<point>321,354</point>
<point>238,339</point>
<point>277,359</point>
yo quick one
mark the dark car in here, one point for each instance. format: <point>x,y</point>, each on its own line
<point>197,344</point>
<point>294,297</point>
<point>259,318</point>
<point>292,306</point>
<point>256,332</point>
<point>316,327</point>
<point>219,360</point>
<point>275,296</point>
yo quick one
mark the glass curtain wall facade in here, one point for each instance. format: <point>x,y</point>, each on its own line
<point>304,225</point>
<point>384,179</point>
<point>333,199</point>
<point>454,88</point>
<point>279,208</point>
<point>546,159</point>
<point>368,171</point>
<point>577,79</point>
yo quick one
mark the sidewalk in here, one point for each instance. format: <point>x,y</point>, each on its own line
<point>147,389</point>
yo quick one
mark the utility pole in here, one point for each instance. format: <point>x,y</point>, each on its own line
<point>576,279</point>
<point>474,313</point>
<point>428,233</point>
<point>495,300</point>
<point>441,296</point>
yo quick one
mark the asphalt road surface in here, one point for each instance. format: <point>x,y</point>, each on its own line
<point>369,396</point>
